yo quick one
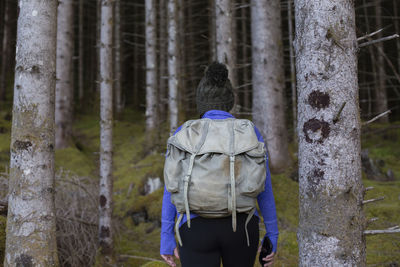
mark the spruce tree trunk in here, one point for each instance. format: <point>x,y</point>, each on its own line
<point>6,48</point>
<point>373,65</point>
<point>224,33</point>
<point>182,70</point>
<point>331,191</point>
<point>163,69</point>
<point>64,82</point>
<point>292,70</point>
<point>245,57</point>
<point>106,128</point>
<point>397,29</point>
<point>268,80</point>
<point>212,29</point>
<point>172,65</point>
<point>380,87</point>
<point>119,105</point>
<point>81,54</point>
<point>151,65</point>
<point>31,222</point>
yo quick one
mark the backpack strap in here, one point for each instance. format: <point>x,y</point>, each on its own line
<point>247,222</point>
<point>233,191</point>
<point>186,181</point>
<point>178,236</point>
<point>232,174</point>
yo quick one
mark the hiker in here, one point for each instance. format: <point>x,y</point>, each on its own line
<point>215,171</point>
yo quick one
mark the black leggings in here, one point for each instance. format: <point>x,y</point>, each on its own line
<point>208,241</point>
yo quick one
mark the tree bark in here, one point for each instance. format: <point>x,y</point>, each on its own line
<point>380,88</point>
<point>151,64</point>
<point>106,128</point>
<point>31,223</point>
<point>331,192</point>
<point>6,48</point>
<point>81,37</point>
<point>292,70</point>
<point>397,29</point>
<point>119,105</point>
<point>225,48</point>
<point>64,82</point>
<point>245,69</point>
<point>163,69</point>
<point>172,65</point>
<point>373,61</point>
<point>268,80</point>
<point>212,29</point>
<point>182,70</point>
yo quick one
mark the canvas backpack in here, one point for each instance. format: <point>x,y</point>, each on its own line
<point>215,168</point>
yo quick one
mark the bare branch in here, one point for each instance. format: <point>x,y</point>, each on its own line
<point>377,117</point>
<point>369,188</point>
<point>379,40</point>
<point>369,35</point>
<point>377,232</point>
<point>373,200</point>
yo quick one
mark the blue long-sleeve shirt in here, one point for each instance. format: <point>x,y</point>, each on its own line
<point>265,201</point>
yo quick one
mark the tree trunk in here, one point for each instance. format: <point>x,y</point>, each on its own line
<point>98,43</point>
<point>330,187</point>
<point>136,58</point>
<point>373,61</point>
<point>181,69</point>
<point>172,65</point>
<point>31,224</point>
<point>151,63</point>
<point>119,105</point>
<point>397,29</point>
<point>225,49</point>
<point>6,49</point>
<point>292,70</point>
<point>380,88</point>
<point>245,57</point>
<point>268,80</point>
<point>212,26</point>
<point>163,71</point>
<point>64,82</point>
<point>81,37</point>
<point>106,123</point>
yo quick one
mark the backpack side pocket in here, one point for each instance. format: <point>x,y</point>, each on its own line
<point>174,168</point>
<point>252,171</point>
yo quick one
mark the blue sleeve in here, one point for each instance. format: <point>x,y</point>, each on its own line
<point>168,214</point>
<point>266,203</point>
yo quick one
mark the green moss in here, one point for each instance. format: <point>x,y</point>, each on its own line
<point>75,161</point>
<point>382,142</point>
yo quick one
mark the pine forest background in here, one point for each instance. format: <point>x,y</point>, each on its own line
<point>139,145</point>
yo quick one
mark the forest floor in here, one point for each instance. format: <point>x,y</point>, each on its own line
<point>137,215</point>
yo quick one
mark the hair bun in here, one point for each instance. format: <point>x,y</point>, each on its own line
<point>217,74</point>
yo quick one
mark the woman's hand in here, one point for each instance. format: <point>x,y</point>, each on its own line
<point>269,259</point>
<point>169,259</point>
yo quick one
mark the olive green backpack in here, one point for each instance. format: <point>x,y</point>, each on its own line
<point>215,168</point>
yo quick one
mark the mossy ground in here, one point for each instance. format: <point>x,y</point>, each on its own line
<point>135,160</point>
